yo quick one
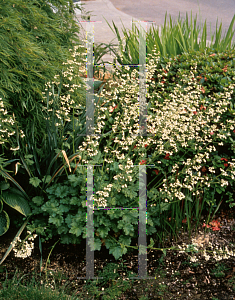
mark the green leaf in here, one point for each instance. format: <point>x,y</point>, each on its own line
<point>125,240</point>
<point>103,231</point>
<point>15,238</point>
<point>116,251</point>
<point>96,245</point>
<point>46,178</point>
<point>57,220</point>
<point>17,202</point>
<point>38,200</point>
<point>4,222</point>
<point>4,185</point>
<point>75,230</point>
<point>35,181</point>
<point>128,229</point>
<point>151,243</point>
<point>164,206</point>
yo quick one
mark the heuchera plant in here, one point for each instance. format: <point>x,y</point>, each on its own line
<point>190,142</point>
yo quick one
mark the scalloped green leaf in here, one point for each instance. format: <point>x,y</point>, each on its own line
<point>116,251</point>
<point>35,181</point>
<point>17,202</point>
<point>4,222</point>
<point>4,185</point>
<point>38,200</point>
<point>97,244</point>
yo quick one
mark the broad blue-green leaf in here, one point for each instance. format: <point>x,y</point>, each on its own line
<point>17,202</point>
<point>4,222</point>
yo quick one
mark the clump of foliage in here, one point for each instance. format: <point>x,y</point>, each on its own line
<point>191,131</point>
<point>35,42</point>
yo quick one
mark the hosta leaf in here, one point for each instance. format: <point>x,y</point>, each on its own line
<point>17,202</point>
<point>4,222</point>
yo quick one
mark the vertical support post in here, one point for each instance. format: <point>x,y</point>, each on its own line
<point>142,82</point>
<point>90,79</point>
<point>142,240</point>
<point>89,226</point>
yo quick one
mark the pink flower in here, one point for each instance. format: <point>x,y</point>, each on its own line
<point>212,133</point>
<point>194,112</point>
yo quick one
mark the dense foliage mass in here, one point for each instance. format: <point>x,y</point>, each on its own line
<point>190,105</point>
<point>35,42</point>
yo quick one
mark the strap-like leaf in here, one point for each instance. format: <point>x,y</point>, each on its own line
<point>15,238</point>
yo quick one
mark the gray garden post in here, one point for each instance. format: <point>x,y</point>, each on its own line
<point>142,243</point>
